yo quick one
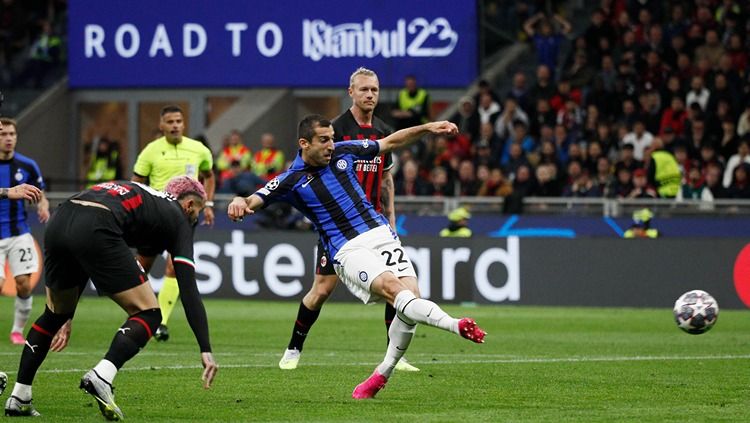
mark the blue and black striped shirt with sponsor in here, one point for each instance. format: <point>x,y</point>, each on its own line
<point>16,171</point>
<point>330,196</point>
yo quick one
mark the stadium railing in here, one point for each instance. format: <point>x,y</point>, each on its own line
<point>438,206</point>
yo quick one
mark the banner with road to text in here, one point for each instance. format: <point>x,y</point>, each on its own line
<point>516,271</point>
<point>295,43</point>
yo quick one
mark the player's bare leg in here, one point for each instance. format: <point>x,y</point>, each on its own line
<point>309,310</point>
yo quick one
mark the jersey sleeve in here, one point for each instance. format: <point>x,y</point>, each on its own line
<point>184,268</point>
<point>207,160</point>
<point>366,149</point>
<point>36,178</point>
<point>143,163</point>
<point>277,189</point>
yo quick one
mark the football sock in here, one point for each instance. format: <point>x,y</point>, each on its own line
<point>400,333</point>
<point>38,341</point>
<point>305,319</point>
<point>23,310</point>
<point>22,391</point>
<point>424,311</point>
<point>168,296</point>
<point>132,336</point>
<point>106,370</point>
<point>390,314</point>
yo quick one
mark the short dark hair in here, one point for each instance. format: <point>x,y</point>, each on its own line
<point>307,125</point>
<point>171,108</point>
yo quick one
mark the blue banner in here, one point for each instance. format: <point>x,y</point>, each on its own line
<point>241,43</point>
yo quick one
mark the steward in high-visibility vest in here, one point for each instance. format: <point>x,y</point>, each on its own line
<point>641,227</point>
<point>666,173</point>
<point>457,228</point>
<point>413,105</point>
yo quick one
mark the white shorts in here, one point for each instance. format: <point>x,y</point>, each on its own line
<point>365,257</point>
<point>21,254</point>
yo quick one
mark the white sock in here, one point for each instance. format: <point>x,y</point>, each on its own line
<point>400,333</point>
<point>106,370</point>
<point>23,310</point>
<point>424,311</point>
<point>21,391</point>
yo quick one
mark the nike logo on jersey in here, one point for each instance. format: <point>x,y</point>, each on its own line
<point>31,347</point>
<point>307,182</point>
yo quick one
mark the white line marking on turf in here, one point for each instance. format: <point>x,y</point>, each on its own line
<point>540,360</point>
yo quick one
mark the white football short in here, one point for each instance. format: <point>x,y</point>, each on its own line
<point>21,254</point>
<point>365,257</point>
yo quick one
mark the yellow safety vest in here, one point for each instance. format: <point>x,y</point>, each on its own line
<point>407,102</point>
<point>458,233</point>
<point>668,176</point>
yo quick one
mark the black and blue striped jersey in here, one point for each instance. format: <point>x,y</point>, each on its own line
<point>16,171</point>
<point>330,196</point>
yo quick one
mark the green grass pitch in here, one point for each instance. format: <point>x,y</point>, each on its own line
<point>539,364</point>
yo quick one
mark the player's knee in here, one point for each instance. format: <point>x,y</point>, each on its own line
<point>393,285</point>
<point>150,318</point>
<point>322,289</point>
<point>23,285</point>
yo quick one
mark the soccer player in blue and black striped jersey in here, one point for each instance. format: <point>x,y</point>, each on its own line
<point>16,243</point>
<point>367,254</point>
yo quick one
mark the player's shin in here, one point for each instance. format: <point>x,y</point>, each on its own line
<point>129,339</point>
<point>305,319</point>
<point>37,345</point>
<point>168,295</point>
<point>400,334</point>
<point>424,311</point>
<point>22,311</point>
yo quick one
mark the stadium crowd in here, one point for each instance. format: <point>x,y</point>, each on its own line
<point>651,100</point>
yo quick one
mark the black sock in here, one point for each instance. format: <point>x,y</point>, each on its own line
<point>132,336</point>
<point>37,345</point>
<point>390,314</point>
<point>305,319</point>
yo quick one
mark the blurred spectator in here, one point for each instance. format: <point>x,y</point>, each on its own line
<point>579,73</point>
<point>580,184</point>
<point>548,183</point>
<point>458,224</point>
<point>695,187</point>
<point>698,93</point>
<point>742,156</point>
<point>413,105</point>
<point>408,181</point>
<point>542,115</point>
<point>519,137</point>
<point>697,136</point>
<point>439,185</point>
<point>640,139</point>
<point>593,154</point>
<point>45,53</point>
<point>674,117</point>
<point>519,91</point>
<point>729,139</point>
<point>714,182</point>
<point>496,185</point>
<point>623,184</point>
<point>544,88</point>
<point>524,185</point>
<point>599,29</point>
<point>488,109</point>
<point>508,117</point>
<point>547,39</point>
<point>740,186</point>
<point>468,185</point>
<point>269,161</point>
<point>641,187</point>
<point>711,50</point>
<point>239,180</point>
<point>484,87</point>
<point>466,117</point>
<point>234,151</point>
<point>104,162</point>
<point>738,53</point>
<point>743,123</point>
<point>708,157</point>
<point>663,170</point>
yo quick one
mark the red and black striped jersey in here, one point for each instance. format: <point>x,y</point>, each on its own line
<point>369,172</point>
<point>150,220</point>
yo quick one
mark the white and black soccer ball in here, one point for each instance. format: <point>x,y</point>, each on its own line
<point>696,312</point>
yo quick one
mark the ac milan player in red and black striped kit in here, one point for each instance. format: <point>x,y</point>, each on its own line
<point>357,123</point>
<point>89,237</point>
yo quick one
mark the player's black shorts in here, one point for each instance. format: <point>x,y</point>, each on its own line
<point>83,242</point>
<point>323,263</point>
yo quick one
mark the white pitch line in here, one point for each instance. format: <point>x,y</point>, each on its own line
<point>529,360</point>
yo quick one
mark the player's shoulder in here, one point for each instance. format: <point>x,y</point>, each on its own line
<point>381,126</point>
<point>22,158</point>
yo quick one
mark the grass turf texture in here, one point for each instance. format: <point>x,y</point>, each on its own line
<point>539,364</point>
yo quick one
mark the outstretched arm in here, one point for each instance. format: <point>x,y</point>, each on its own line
<point>241,206</point>
<point>407,136</point>
<point>565,26</point>
<point>22,192</point>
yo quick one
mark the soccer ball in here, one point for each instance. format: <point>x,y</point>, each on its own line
<point>696,312</point>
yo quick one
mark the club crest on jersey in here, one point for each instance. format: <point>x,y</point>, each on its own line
<point>365,144</point>
<point>341,164</point>
<point>323,261</point>
<point>18,176</point>
<point>363,276</point>
<point>272,184</point>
